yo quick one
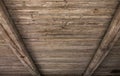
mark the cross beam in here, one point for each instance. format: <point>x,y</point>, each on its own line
<point>14,40</point>
<point>106,44</point>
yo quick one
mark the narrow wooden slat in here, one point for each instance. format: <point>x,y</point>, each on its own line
<point>13,39</point>
<point>106,44</point>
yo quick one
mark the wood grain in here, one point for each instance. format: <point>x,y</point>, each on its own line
<point>12,37</point>
<point>106,44</point>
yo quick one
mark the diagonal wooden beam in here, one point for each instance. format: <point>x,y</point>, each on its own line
<point>14,40</point>
<point>106,44</point>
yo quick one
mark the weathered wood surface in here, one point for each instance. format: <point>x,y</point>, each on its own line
<point>61,33</point>
<point>111,62</point>
<point>106,44</point>
<point>9,62</point>
<point>12,37</point>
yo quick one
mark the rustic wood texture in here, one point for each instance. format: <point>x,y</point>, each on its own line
<point>9,63</point>
<point>111,62</point>
<point>11,36</point>
<point>61,35</point>
<point>106,44</point>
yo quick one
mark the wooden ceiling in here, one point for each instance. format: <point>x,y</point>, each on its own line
<point>59,38</point>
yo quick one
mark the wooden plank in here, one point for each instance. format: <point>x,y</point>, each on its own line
<point>13,39</point>
<point>106,44</point>
<point>62,12</point>
<point>62,4</point>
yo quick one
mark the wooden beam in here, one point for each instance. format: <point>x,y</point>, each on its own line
<point>106,44</point>
<point>14,40</point>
